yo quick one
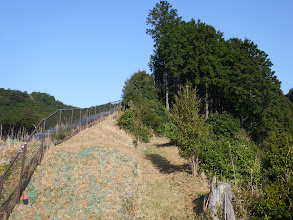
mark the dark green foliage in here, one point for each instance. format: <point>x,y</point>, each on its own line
<point>191,129</point>
<point>223,124</point>
<point>273,204</point>
<point>242,102</point>
<point>131,121</point>
<point>171,131</point>
<point>19,109</point>
<point>144,114</point>
<point>290,95</point>
<point>231,159</point>
<point>139,88</point>
<point>276,202</point>
<point>150,118</point>
<point>231,75</point>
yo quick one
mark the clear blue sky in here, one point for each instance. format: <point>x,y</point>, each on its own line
<point>82,51</point>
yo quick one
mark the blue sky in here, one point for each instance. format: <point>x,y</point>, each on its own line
<point>82,51</point>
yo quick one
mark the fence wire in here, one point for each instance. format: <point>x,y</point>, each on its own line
<point>57,127</point>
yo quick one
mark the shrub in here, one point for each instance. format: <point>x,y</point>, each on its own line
<point>231,159</point>
<point>224,124</point>
<point>192,131</point>
<point>277,199</point>
<point>273,204</point>
<point>130,120</point>
<point>170,130</point>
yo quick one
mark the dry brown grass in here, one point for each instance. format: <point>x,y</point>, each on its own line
<point>162,188</point>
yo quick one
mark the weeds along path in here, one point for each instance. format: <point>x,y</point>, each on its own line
<point>100,174</point>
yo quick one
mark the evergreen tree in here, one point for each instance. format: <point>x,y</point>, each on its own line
<point>163,20</point>
<point>192,132</point>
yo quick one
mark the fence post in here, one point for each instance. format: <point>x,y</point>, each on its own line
<point>21,173</point>
<point>95,110</point>
<point>71,121</point>
<point>87,119</point>
<point>80,120</point>
<point>59,123</point>
<point>42,143</point>
<point>1,185</point>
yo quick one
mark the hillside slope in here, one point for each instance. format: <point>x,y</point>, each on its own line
<point>20,109</point>
<point>101,174</point>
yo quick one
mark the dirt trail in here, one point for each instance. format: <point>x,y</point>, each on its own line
<point>101,174</point>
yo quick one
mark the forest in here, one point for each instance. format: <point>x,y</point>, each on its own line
<point>20,110</point>
<point>220,102</point>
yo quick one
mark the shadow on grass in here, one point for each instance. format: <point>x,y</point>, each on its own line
<point>169,144</point>
<point>198,204</point>
<point>165,166</point>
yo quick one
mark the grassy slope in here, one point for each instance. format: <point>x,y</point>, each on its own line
<point>99,173</point>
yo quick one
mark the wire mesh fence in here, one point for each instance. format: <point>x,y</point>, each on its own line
<point>57,127</point>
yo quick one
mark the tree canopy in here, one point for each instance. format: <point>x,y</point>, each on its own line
<point>231,75</point>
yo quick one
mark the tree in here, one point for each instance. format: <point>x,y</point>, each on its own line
<point>163,19</point>
<point>290,95</point>
<point>251,89</point>
<point>138,89</point>
<point>144,112</point>
<point>192,131</point>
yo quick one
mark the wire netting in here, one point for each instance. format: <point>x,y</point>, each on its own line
<point>10,188</point>
<point>91,184</point>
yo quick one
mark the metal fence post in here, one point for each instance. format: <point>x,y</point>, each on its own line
<point>95,110</point>
<point>87,118</point>
<point>71,122</point>
<point>1,185</point>
<point>80,120</point>
<point>21,173</point>
<point>42,143</point>
<point>59,123</point>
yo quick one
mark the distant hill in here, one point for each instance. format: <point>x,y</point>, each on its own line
<point>20,109</point>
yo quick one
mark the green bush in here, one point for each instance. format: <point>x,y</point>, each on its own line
<point>191,129</point>
<point>150,117</point>
<point>224,124</point>
<point>277,199</point>
<point>274,203</point>
<point>130,120</point>
<point>231,159</point>
<point>127,119</point>
<point>170,130</point>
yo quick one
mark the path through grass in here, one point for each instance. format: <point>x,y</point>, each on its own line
<point>100,174</point>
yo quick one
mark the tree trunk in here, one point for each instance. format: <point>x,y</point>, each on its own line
<point>166,88</point>
<point>242,120</point>
<point>194,165</point>
<point>206,103</point>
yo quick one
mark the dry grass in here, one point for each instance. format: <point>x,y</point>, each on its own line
<point>147,181</point>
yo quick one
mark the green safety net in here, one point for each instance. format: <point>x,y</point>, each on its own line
<point>91,184</point>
